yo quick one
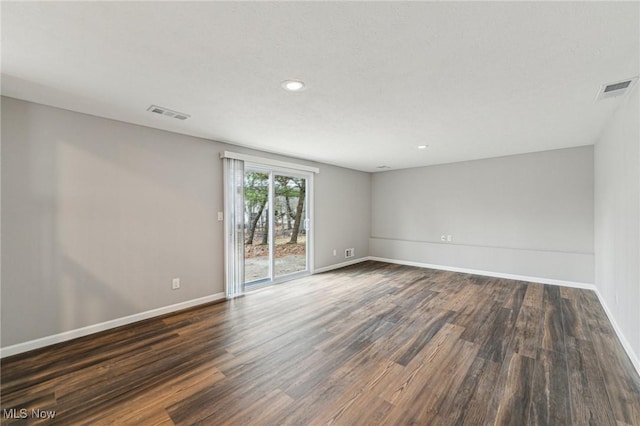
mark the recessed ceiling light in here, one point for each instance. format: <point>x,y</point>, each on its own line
<point>422,146</point>
<point>293,85</point>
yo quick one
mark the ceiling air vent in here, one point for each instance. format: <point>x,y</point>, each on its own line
<point>618,88</point>
<point>169,113</point>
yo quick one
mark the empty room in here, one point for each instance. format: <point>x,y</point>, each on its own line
<point>296,213</point>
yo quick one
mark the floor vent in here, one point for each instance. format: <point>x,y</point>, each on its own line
<point>169,113</point>
<point>615,89</point>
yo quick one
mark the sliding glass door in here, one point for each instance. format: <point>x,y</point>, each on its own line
<point>277,226</point>
<point>257,250</point>
<point>290,224</point>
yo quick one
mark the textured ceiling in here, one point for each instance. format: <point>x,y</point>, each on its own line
<point>471,80</point>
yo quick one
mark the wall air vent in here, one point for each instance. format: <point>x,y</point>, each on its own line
<point>169,113</point>
<point>618,88</point>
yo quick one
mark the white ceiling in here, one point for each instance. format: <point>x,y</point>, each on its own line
<point>471,80</point>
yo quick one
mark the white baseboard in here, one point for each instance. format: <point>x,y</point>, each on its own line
<point>623,340</point>
<point>490,273</point>
<point>95,328</point>
<point>340,265</point>
<point>80,332</point>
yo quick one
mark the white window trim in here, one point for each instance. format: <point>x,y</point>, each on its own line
<point>268,161</point>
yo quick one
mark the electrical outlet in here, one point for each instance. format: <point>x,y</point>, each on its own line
<point>350,252</point>
<point>335,253</point>
<point>443,238</point>
<point>220,216</point>
<point>175,284</point>
<point>449,238</point>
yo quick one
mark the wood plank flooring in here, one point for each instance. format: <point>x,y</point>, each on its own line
<point>369,344</point>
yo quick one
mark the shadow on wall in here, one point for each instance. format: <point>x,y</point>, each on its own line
<point>86,299</point>
<point>98,216</point>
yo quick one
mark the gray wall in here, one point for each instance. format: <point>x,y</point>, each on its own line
<point>528,215</point>
<point>617,219</point>
<point>341,219</point>
<point>98,216</point>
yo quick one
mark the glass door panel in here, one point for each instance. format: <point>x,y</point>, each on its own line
<point>290,224</point>
<point>257,253</point>
<point>276,225</point>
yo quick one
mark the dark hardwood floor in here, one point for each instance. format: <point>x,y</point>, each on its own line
<point>370,344</point>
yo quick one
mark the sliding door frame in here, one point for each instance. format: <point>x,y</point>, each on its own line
<point>274,170</point>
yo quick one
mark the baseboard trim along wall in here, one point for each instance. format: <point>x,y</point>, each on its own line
<point>623,340</point>
<point>73,334</point>
<point>95,328</point>
<point>565,266</point>
<point>489,273</point>
<point>340,265</point>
